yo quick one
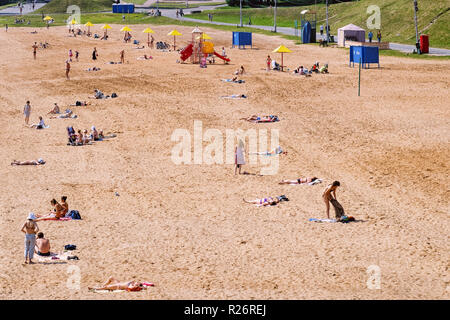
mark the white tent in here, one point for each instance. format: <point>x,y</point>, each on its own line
<point>352,33</point>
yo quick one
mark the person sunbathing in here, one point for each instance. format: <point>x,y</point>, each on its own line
<point>324,69</point>
<point>236,96</point>
<point>37,162</point>
<point>114,284</point>
<point>274,152</point>
<point>58,212</point>
<point>81,103</point>
<point>299,181</point>
<point>55,110</point>
<point>255,118</point>
<point>145,57</point>
<point>65,205</point>
<point>93,69</point>
<point>64,116</point>
<point>264,201</point>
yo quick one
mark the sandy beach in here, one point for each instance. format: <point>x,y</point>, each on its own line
<point>185,227</point>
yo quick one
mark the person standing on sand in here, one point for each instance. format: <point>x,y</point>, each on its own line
<point>67,69</point>
<point>94,54</point>
<point>77,54</point>
<point>239,158</point>
<point>269,62</point>
<point>27,111</point>
<point>151,42</point>
<point>34,50</point>
<point>70,55</point>
<point>6,27</point>
<point>327,196</point>
<point>122,56</point>
<point>30,228</point>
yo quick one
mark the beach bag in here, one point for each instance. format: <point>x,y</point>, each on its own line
<point>114,95</point>
<point>75,215</point>
<point>70,247</point>
<point>78,103</point>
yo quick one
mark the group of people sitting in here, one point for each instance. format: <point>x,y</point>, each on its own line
<point>83,137</point>
<point>60,210</point>
<point>314,69</point>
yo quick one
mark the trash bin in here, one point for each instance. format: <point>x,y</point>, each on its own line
<point>424,44</point>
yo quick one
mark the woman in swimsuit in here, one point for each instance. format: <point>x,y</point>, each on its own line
<point>327,196</point>
<point>114,284</point>
<point>28,163</point>
<point>64,205</point>
<point>264,201</point>
<point>299,181</point>
<point>58,212</point>
<point>30,228</point>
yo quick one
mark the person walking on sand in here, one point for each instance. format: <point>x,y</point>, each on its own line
<point>94,54</point>
<point>67,69</point>
<point>151,42</point>
<point>6,27</point>
<point>70,55</point>
<point>30,228</point>
<point>27,111</point>
<point>239,159</point>
<point>77,54</point>
<point>35,46</point>
<point>122,56</point>
<point>328,196</point>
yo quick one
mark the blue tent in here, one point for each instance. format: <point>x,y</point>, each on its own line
<point>306,33</point>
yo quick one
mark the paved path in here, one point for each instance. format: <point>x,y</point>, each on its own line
<point>27,8</point>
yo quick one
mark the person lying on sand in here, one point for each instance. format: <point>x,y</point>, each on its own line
<point>264,201</point>
<point>93,69</point>
<point>145,57</point>
<point>256,118</point>
<point>277,150</point>
<point>235,96</point>
<point>113,284</point>
<point>55,109</point>
<point>299,181</point>
<point>65,115</point>
<point>37,162</point>
<point>80,103</point>
<point>42,247</point>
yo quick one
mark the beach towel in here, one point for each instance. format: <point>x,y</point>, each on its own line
<point>317,181</point>
<point>56,257</point>
<point>338,209</point>
<point>322,220</point>
<point>56,219</point>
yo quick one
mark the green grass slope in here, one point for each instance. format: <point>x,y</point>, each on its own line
<point>60,6</point>
<point>397,18</point>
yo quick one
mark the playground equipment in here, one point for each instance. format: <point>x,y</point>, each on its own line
<point>308,26</point>
<point>242,39</point>
<point>364,55</point>
<point>199,48</point>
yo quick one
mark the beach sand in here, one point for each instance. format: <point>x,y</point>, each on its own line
<point>185,227</point>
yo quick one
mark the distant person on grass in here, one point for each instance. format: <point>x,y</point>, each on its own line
<point>370,36</point>
<point>379,36</point>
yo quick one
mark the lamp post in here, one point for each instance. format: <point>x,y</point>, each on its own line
<point>416,8</point>
<point>328,35</point>
<point>275,17</point>
<point>240,12</point>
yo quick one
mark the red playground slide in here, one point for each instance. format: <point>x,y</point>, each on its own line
<point>222,57</point>
<point>186,52</point>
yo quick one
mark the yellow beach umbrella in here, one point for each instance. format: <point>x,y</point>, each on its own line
<point>47,18</point>
<point>174,33</point>
<point>73,22</point>
<point>89,25</point>
<point>282,49</point>
<point>204,36</point>
<point>126,28</point>
<point>148,31</point>
<point>106,27</point>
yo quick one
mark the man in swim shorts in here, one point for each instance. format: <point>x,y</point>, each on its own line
<point>42,247</point>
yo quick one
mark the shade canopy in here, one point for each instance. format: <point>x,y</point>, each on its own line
<point>204,36</point>
<point>148,30</point>
<point>126,28</point>
<point>282,49</point>
<point>351,33</point>
<point>88,24</point>
<point>48,18</point>
<point>106,27</point>
<point>174,32</point>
